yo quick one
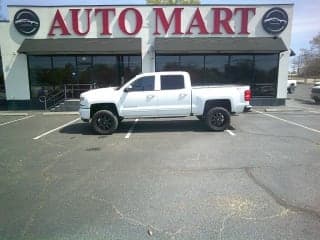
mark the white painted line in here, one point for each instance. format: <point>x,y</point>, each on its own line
<point>231,133</point>
<point>6,123</point>
<point>60,113</point>
<point>314,112</point>
<point>290,122</point>
<point>131,129</point>
<point>51,131</point>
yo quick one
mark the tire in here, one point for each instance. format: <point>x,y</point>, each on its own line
<point>317,101</point>
<point>218,119</point>
<point>104,122</point>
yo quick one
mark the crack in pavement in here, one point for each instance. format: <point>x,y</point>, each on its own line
<point>279,200</point>
<point>136,222</point>
<point>223,224</point>
<point>208,169</point>
<point>48,180</point>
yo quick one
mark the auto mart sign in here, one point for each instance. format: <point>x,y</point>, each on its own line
<point>217,21</point>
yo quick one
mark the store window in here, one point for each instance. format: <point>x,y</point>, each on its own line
<point>257,70</point>
<point>84,65</point>
<point>167,63</point>
<point>41,76</point>
<point>216,69</point>
<point>240,69</point>
<point>76,74</point>
<point>105,71</point>
<point>131,66</point>
<point>195,66</point>
<point>64,69</point>
<point>265,75</point>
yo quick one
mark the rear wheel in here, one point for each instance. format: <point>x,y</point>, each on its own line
<point>104,122</point>
<point>218,119</point>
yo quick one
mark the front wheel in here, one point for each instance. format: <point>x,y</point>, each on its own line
<point>104,122</point>
<point>218,119</point>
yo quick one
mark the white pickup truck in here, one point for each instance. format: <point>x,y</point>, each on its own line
<point>163,94</point>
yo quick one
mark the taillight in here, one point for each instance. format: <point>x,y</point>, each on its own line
<point>247,95</point>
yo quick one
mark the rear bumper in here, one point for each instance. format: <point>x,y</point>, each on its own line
<point>84,114</point>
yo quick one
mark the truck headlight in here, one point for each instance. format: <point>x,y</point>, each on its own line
<point>83,102</point>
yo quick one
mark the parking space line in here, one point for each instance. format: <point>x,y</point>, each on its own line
<point>231,133</point>
<point>20,119</point>
<point>55,129</point>
<point>131,129</point>
<point>314,111</point>
<point>289,122</point>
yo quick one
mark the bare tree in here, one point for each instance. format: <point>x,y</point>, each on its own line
<point>307,64</point>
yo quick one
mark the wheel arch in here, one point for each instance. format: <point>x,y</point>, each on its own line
<point>225,103</point>
<point>103,106</point>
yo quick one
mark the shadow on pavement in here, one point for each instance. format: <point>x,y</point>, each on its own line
<point>143,126</point>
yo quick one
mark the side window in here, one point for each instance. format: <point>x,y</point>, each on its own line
<point>143,84</point>
<point>170,82</point>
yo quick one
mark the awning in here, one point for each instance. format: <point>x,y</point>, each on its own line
<point>81,46</point>
<point>219,45</point>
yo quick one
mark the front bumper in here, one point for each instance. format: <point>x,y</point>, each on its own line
<point>84,114</point>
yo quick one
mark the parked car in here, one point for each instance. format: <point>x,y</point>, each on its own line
<point>163,94</point>
<point>315,92</point>
<point>291,86</point>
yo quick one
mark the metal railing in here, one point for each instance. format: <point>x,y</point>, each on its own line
<point>56,98</point>
<point>51,100</point>
<point>77,88</point>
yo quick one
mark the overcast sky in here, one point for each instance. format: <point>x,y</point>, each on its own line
<point>306,19</point>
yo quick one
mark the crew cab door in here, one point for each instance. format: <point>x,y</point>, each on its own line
<point>140,98</point>
<point>174,98</point>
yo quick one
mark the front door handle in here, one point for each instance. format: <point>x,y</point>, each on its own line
<point>183,94</point>
<point>150,96</point>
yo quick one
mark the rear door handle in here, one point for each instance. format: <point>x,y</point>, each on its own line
<point>150,96</point>
<point>183,94</point>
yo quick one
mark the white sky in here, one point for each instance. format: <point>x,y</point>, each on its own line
<point>306,19</point>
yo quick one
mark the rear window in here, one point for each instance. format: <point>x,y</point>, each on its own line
<point>169,82</point>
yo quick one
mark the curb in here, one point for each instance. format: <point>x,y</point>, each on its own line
<point>283,110</point>
<point>13,114</point>
<point>59,113</point>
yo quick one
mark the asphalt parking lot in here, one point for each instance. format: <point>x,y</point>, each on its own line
<point>163,179</point>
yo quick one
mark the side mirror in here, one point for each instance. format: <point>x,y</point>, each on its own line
<point>128,89</point>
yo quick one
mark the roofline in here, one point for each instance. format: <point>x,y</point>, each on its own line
<point>152,5</point>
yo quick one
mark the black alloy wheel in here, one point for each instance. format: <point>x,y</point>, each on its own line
<point>104,122</point>
<point>218,119</point>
